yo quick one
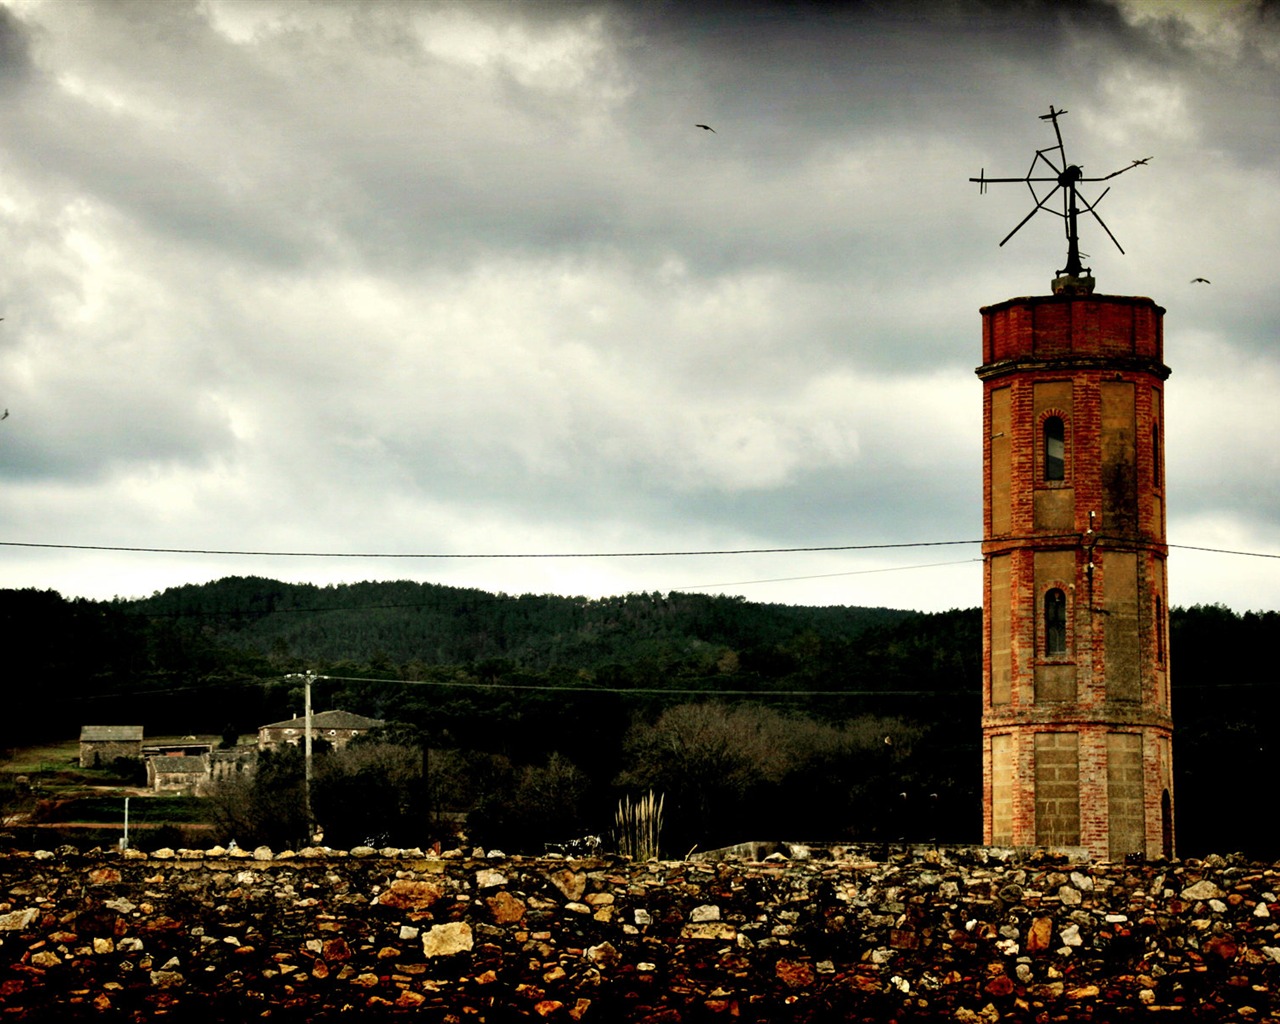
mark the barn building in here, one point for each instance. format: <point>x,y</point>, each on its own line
<point>101,745</point>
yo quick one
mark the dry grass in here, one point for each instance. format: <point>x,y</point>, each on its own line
<point>46,757</point>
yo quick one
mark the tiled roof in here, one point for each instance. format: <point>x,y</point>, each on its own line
<point>329,720</point>
<point>98,733</point>
<point>164,765</point>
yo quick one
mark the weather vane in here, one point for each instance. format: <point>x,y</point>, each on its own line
<point>1065,177</point>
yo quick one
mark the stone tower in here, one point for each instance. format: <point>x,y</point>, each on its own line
<point>1076,718</point>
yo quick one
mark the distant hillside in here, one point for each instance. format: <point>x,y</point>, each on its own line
<point>519,678</point>
<point>403,622</point>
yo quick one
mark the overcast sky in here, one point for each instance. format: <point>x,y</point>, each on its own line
<point>465,278</point>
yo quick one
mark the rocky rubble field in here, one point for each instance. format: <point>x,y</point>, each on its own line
<point>966,935</point>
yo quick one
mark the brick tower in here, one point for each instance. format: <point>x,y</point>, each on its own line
<point>1076,718</point>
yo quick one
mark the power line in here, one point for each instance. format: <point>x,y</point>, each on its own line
<point>1224,551</point>
<point>249,552</point>
<point>539,687</point>
<point>478,555</point>
<point>638,690</point>
<point>647,691</point>
<point>828,575</point>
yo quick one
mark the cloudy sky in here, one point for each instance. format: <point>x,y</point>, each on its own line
<point>464,279</point>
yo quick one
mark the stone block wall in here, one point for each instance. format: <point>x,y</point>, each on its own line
<point>961,935</point>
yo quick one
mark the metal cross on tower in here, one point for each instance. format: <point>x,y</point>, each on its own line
<point>1065,177</point>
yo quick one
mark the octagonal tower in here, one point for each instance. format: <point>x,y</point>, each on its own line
<point>1077,733</point>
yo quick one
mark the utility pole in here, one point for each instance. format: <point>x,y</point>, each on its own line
<point>306,784</point>
<point>307,679</point>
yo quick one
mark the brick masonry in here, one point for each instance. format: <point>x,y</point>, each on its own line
<point>1077,727</point>
<point>965,935</point>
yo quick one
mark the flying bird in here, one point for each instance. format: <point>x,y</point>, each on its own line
<point>705,126</point>
<point>1201,280</point>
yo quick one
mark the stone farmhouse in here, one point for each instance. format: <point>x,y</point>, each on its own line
<point>338,728</point>
<point>192,765</point>
<point>102,744</point>
<point>177,773</point>
<point>192,771</point>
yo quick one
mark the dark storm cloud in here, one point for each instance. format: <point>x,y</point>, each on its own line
<point>468,277</point>
<point>15,57</point>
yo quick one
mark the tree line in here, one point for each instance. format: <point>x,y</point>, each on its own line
<point>533,714</point>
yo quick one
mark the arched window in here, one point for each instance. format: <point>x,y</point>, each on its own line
<point>1054,448</point>
<point>1055,623</point>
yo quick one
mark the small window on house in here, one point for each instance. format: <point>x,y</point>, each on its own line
<point>1055,623</point>
<point>1054,448</point>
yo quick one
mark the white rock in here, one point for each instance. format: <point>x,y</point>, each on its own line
<point>1202,890</point>
<point>18,920</point>
<point>447,939</point>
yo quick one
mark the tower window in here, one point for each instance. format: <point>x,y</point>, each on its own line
<point>1159,632</point>
<point>1055,623</point>
<point>1155,454</point>
<point>1054,448</point>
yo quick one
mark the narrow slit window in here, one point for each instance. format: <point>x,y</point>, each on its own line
<point>1055,623</point>
<point>1055,447</point>
<point>1159,632</point>
<point>1155,454</point>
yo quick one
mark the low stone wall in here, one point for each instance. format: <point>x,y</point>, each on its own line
<point>967,936</point>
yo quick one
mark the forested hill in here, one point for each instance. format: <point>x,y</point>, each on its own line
<point>516,680</point>
<point>401,623</point>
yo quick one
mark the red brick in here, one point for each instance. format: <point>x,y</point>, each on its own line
<point>1095,362</point>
